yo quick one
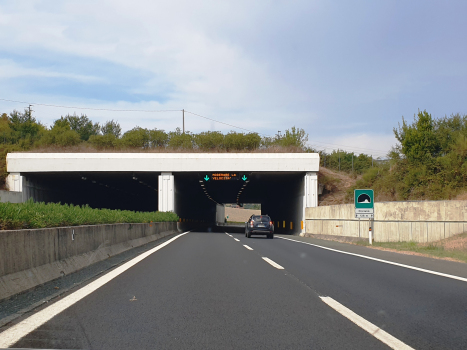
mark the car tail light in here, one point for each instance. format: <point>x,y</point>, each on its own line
<point>270,223</point>
<point>251,224</point>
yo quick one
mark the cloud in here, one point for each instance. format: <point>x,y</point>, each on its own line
<point>377,145</point>
<point>339,71</point>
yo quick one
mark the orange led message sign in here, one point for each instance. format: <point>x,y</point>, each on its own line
<point>224,176</point>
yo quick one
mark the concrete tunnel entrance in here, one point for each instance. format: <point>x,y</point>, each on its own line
<point>282,183</point>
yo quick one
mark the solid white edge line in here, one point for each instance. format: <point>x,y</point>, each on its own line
<point>237,240</point>
<point>383,261</point>
<point>247,247</point>
<point>276,265</point>
<point>375,331</point>
<point>16,332</point>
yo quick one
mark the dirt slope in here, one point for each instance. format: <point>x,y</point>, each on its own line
<point>336,184</point>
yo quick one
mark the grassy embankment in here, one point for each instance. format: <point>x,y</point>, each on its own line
<point>451,248</point>
<point>40,215</point>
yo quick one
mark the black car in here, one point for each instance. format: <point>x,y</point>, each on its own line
<point>259,225</point>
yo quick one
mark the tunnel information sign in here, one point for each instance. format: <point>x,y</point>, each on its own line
<point>364,204</point>
<point>224,176</point>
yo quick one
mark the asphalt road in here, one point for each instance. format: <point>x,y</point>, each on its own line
<point>206,290</point>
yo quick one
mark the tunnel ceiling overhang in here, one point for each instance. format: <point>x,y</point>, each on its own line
<point>161,162</point>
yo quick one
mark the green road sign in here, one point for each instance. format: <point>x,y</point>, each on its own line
<point>244,178</point>
<point>364,203</point>
<point>364,199</point>
<point>206,178</point>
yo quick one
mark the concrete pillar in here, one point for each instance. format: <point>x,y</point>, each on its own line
<point>310,198</point>
<point>14,182</point>
<point>166,198</point>
<point>311,189</point>
<point>220,214</point>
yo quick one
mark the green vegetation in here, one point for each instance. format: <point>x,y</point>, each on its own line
<point>348,161</point>
<point>22,132</point>
<point>430,161</point>
<point>440,249</point>
<point>41,215</point>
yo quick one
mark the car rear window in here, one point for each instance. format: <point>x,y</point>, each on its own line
<point>262,218</point>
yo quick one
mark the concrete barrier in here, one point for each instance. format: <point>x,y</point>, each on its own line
<point>11,196</point>
<point>29,258</point>
<point>419,221</point>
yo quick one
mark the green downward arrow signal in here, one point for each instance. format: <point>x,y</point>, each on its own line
<point>206,178</point>
<point>244,178</point>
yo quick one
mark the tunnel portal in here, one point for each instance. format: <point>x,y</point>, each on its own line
<point>192,185</point>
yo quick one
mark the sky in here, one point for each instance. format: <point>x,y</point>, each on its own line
<point>344,71</point>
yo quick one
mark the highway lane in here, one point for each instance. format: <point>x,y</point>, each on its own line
<point>423,310</point>
<point>204,291</point>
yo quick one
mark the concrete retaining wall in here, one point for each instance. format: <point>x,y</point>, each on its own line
<point>10,196</point>
<point>32,257</point>
<point>424,221</point>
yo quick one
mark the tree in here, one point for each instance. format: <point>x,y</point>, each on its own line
<point>5,129</point>
<point>294,137</point>
<point>24,127</point>
<point>104,141</point>
<point>209,140</point>
<point>83,126</point>
<point>60,134</point>
<point>136,137</point>
<point>158,138</point>
<point>418,141</point>
<point>177,139</point>
<point>111,127</point>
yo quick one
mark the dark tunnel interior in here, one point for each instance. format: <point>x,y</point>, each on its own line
<point>280,194</point>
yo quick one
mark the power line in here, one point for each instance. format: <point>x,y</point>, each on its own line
<point>233,126</point>
<point>97,109</point>
<point>174,110</point>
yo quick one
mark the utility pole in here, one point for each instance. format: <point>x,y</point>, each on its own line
<point>372,161</point>
<point>30,111</point>
<point>183,113</point>
<point>352,162</point>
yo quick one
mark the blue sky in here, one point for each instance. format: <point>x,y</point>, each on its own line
<point>345,71</point>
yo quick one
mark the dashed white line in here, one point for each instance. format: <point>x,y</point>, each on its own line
<point>276,265</point>
<point>15,333</point>
<point>237,240</point>
<point>383,261</point>
<point>375,331</point>
<point>228,234</point>
<point>247,247</point>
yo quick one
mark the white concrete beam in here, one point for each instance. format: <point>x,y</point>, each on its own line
<point>161,162</point>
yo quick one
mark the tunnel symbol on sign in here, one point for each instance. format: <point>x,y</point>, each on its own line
<point>364,198</point>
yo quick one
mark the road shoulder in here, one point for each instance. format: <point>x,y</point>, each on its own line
<point>438,265</point>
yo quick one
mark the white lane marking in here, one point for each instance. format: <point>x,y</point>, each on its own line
<point>247,247</point>
<point>276,265</point>
<point>375,331</point>
<point>383,261</point>
<point>237,240</point>
<point>228,234</point>
<point>15,333</point>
